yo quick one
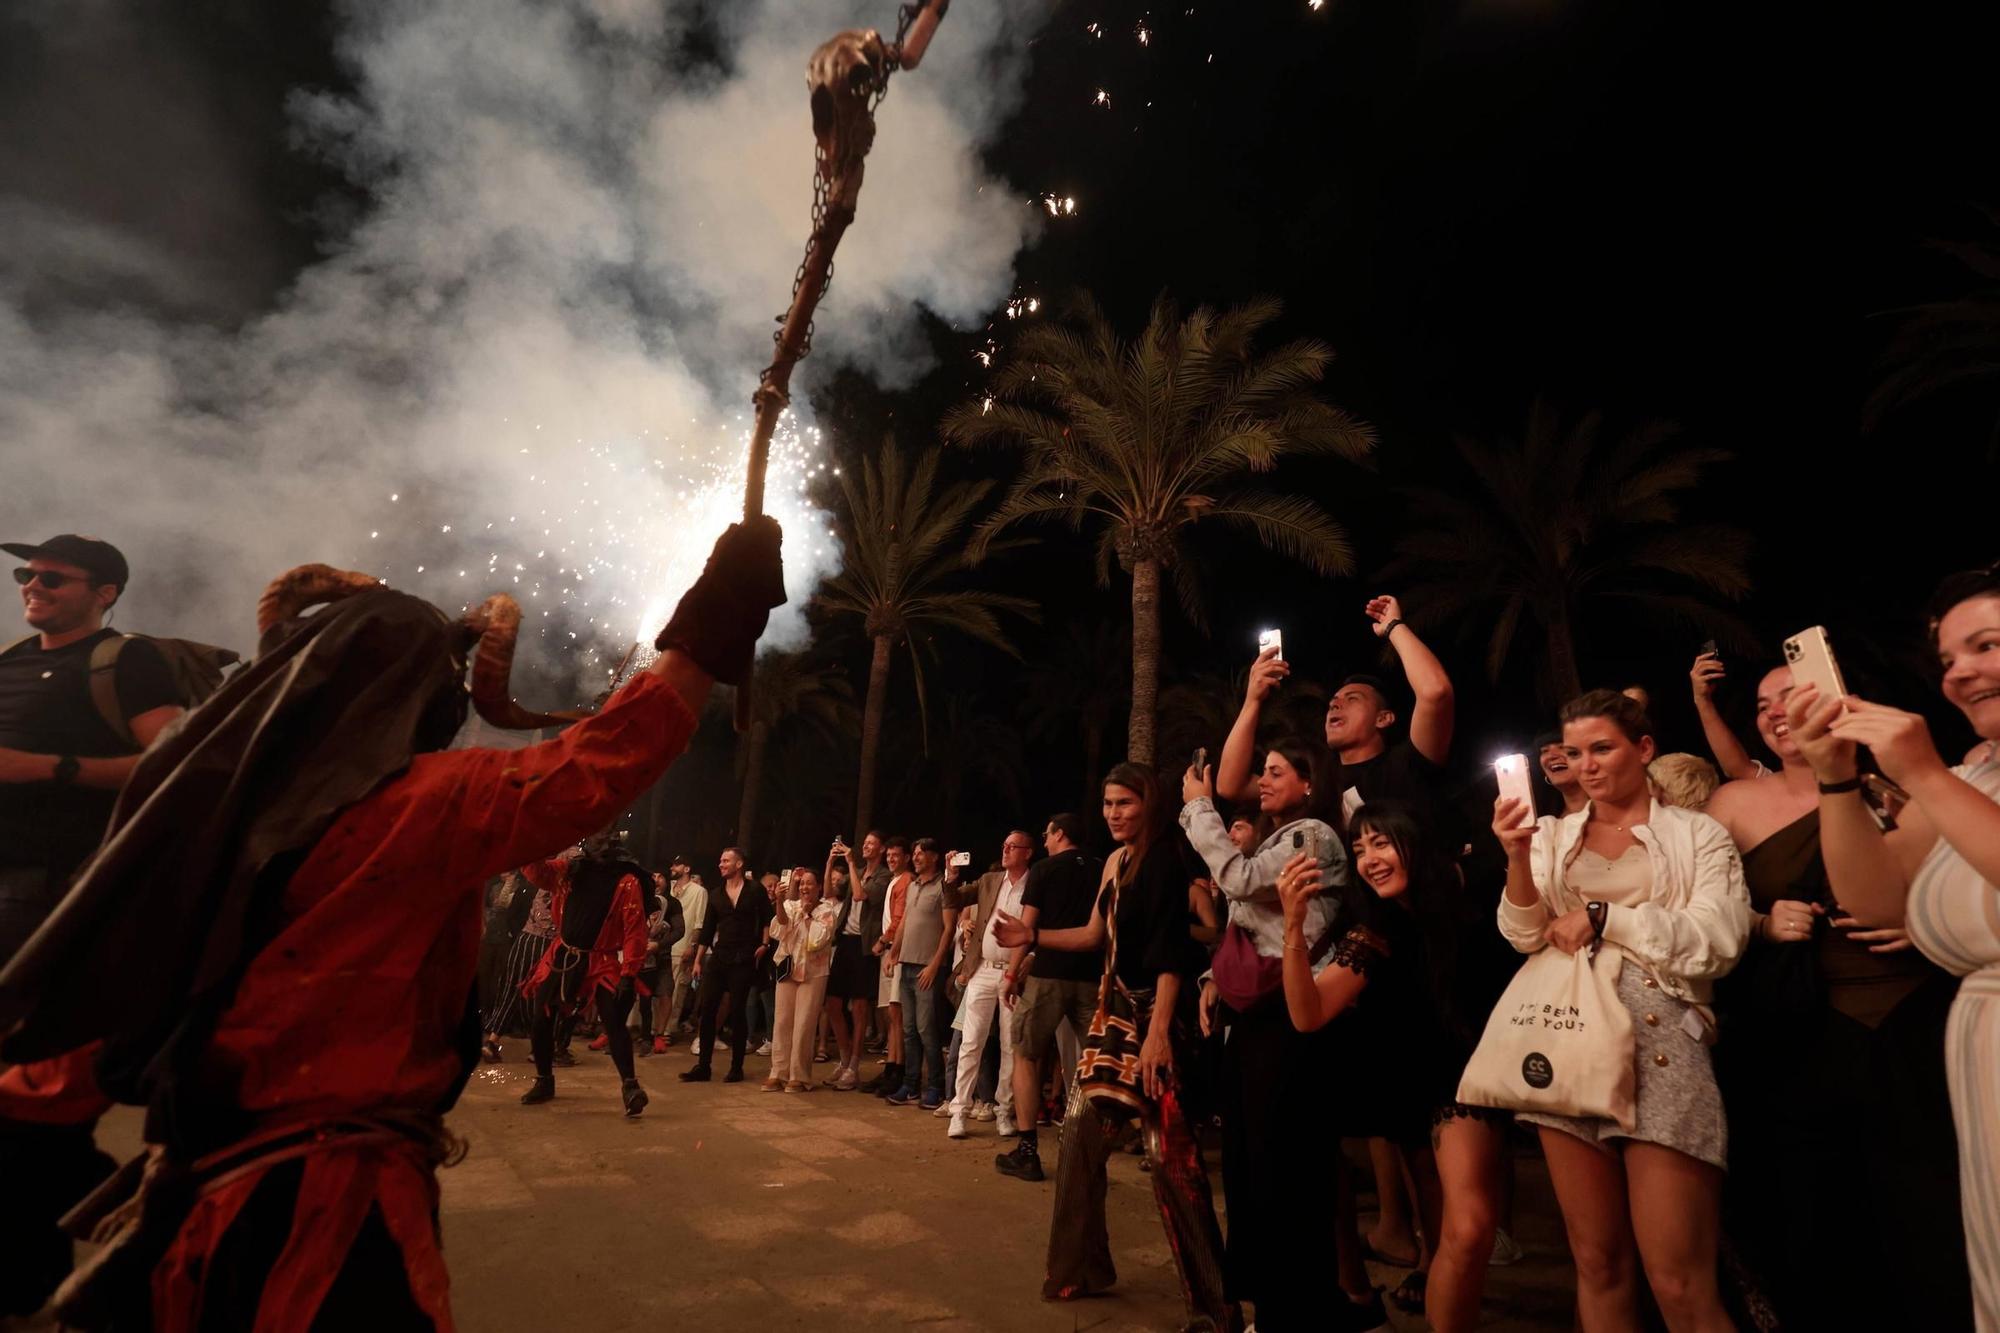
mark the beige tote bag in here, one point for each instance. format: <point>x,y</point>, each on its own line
<point>1559,1042</point>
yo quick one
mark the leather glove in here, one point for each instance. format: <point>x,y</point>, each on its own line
<point>722,616</point>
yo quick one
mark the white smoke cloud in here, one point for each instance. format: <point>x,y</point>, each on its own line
<point>541,333</point>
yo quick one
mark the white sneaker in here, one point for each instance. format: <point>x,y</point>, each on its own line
<point>764,1048</point>
<point>696,1049</point>
<point>1506,1250</point>
<point>957,1129</point>
<point>983,1111</point>
<point>1003,1125</point>
<point>944,1109</point>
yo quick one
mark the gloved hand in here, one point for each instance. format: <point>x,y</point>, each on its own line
<point>722,616</point>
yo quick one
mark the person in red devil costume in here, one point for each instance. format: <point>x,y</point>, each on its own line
<point>289,895</point>
<point>600,946</point>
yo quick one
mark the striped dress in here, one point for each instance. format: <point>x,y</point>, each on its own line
<point>1953,916</point>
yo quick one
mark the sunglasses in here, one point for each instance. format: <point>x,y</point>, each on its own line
<point>48,578</point>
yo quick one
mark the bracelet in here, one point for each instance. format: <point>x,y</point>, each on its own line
<point>1837,788</point>
<point>1390,628</point>
<point>1299,948</point>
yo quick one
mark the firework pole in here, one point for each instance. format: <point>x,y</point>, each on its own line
<point>848,77</point>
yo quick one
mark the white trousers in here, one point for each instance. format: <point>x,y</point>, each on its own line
<point>977,1013</point>
<point>792,1031</point>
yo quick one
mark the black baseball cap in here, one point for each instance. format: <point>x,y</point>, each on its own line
<point>104,562</point>
<point>681,861</point>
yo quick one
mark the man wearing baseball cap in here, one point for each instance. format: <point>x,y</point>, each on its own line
<point>62,760</point>
<point>688,890</point>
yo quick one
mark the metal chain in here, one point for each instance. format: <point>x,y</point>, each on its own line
<point>905,16</point>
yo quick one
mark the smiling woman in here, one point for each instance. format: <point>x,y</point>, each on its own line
<point>1936,872</point>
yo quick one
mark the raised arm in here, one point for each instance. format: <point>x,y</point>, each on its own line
<point>1235,776</point>
<point>1435,713</point>
<point>1730,756</point>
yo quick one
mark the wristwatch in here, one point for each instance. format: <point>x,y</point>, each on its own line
<point>67,768</point>
<point>1595,912</point>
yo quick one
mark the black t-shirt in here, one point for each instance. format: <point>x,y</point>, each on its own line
<point>1061,889</point>
<point>45,708</point>
<point>1152,917</point>
<point>1402,773</point>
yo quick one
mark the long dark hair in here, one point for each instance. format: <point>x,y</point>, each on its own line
<point>1430,916</point>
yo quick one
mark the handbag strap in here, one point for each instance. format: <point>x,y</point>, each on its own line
<point>1113,872</point>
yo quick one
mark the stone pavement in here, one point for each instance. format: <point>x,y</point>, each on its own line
<point>725,1207</point>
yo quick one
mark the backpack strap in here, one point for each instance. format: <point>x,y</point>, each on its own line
<point>104,686</point>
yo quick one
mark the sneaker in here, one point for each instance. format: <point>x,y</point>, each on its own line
<point>1024,1163</point>
<point>698,1074</point>
<point>660,1045</point>
<point>941,1110</point>
<point>984,1111</point>
<point>957,1129</point>
<point>563,1057</point>
<point>774,1085</point>
<point>541,1090</point>
<point>635,1098</point>
<point>697,1048</point>
<point>798,1085</point>
<point>1003,1125</point>
<point>903,1097</point>
<point>1506,1250</point>
<point>763,1048</point>
<point>734,1076</point>
<point>602,1042</point>
<point>847,1080</point>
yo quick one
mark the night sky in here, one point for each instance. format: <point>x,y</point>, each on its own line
<point>1696,212</point>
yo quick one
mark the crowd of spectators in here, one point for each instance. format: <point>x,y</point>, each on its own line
<point>1300,966</point>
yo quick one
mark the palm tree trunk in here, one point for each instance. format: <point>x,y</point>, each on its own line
<point>1145,658</point>
<point>759,740</point>
<point>871,735</point>
<point>1563,674</point>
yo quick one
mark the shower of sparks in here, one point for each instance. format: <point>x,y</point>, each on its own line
<point>617,531</point>
<point>1144,34</point>
<point>1103,98</point>
<point>1060,206</point>
<point>1315,4</point>
<point>1023,305</point>
<point>1094,29</point>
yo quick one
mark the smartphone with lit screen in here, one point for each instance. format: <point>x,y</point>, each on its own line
<point>1272,641</point>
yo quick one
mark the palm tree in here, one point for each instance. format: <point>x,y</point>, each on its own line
<point>1948,345</point>
<point>977,751</point>
<point>1155,436</point>
<point>1076,689</point>
<point>1567,518</point>
<point>792,691</point>
<point>900,536</point>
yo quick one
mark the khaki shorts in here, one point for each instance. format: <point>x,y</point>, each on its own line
<point>1044,1006</point>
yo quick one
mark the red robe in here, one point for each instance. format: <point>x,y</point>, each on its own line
<point>624,928</point>
<point>353,1007</point>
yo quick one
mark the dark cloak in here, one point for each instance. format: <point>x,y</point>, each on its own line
<point>182,892</point>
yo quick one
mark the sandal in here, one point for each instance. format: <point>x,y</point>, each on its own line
<point>1409,1294</point>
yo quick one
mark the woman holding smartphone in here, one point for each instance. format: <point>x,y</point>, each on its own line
<point>1936,873</point>
<point>1273,1089</point>
<point>1666,886</point>
<point>1140,921</point>
<point>1411,981</point>
<point>803,929</point>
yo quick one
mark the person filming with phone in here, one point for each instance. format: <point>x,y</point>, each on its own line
<point>1273,1089</point>
<point>1935,871</point>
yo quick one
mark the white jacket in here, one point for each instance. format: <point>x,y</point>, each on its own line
<point>1691,930</point>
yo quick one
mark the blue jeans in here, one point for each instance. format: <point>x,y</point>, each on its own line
<point>923,1033</point>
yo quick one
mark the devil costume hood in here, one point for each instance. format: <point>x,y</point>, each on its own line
<point>212,821</point>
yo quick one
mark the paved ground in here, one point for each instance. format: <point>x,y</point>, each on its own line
<point>725,1207</point>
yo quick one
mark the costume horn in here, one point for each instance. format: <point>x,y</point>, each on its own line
<point>498,623</point>
<point>308,585</point>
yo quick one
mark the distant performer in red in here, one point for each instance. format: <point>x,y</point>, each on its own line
<point>599,901</point>
<point>289,897</point>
